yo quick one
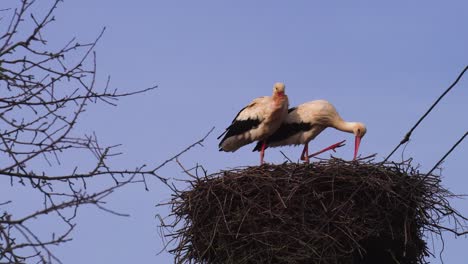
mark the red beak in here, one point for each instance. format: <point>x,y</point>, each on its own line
<point>280,94</point>
<point>357,142</point>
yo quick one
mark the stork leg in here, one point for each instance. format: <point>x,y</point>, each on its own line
<point>262,152</point>
<point>332,147</point>
<point>305,153</point>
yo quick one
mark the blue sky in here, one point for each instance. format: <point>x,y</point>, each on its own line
<point>379,63</point>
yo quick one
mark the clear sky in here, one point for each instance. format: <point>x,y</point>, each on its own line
<point>379,62</point>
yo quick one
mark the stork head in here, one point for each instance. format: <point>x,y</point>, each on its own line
<point>278,89</point>
<point>359,130</point>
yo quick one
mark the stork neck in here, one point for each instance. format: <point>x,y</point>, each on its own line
<point>279,98</point>
<point>345,126</point>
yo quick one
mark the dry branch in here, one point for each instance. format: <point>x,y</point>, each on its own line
<point>44,91</point>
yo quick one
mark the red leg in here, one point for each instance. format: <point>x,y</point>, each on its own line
<point>305,153</point>
<point>262,152</point>
<point>332,147</point>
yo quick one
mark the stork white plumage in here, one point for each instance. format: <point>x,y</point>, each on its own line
<point>308,120</point>
<point>256,122</point>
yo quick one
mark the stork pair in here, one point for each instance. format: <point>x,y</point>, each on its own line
<point>268,120</point>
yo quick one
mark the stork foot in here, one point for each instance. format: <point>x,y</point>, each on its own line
<point>332,147</point>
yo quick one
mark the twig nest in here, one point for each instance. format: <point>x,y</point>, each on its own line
<point>331,211</point>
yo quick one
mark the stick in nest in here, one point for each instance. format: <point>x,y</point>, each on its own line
<point>331,211</point>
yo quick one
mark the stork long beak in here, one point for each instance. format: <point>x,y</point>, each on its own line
<point>357,142</point>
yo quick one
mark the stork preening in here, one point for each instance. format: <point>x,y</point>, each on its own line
<point>305,122</point>
<point>256,122</point>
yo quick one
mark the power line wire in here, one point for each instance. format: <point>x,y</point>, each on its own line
<point>446,154</point>
<point>408,135</point>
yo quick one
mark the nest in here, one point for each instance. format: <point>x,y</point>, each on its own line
<point>331,211</point>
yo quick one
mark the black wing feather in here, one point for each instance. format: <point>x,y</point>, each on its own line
<point>291,109</point>
<point>239,127</point>
<point>233,121</point>
<point>286,130</point>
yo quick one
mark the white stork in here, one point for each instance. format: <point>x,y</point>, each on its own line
<point>256,122</point>
<point>306,121</point>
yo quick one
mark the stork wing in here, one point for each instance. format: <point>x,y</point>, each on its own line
<point>248,118</point>
<point>288,128</point>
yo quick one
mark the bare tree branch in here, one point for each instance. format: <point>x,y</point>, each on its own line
<point>43,94</point>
